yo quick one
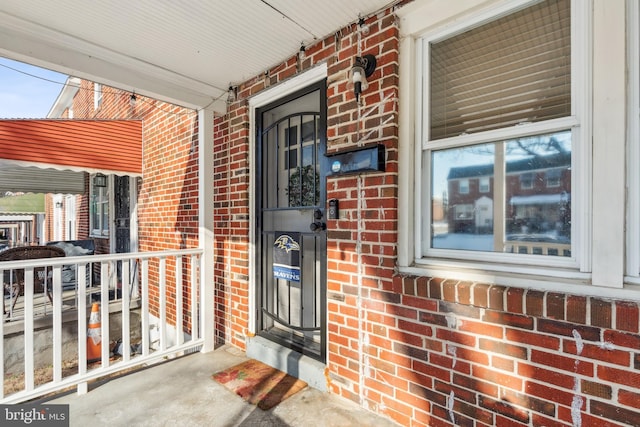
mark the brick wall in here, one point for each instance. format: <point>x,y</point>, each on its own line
<point>422,350</point>
<point>48,217</point>
<point>231,224</point>
<point>168,192</point>
<point>168,198</point>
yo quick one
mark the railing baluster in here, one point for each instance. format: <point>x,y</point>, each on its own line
<point>195,330</point>
<point>179,333</point>
<point>2,335</point>
<point>145,308</point>
<point>162,288</point>
<point>81,276</point>
<point>29,363</point>
<point>105,268</point>
<point>126,323</point>
<point>56,293</point>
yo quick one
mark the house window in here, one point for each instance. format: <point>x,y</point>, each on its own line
<point>526,181</point>
<point>483,185</point>
<point>97,95</point>
<point>463,186</point>
<point>463,212</point>
<point>553,177</point>
<point>99,209</point>
<point>499,105</point>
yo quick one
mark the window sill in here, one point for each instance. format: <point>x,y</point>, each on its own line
<point>554,280</point>
<point>98,236</point>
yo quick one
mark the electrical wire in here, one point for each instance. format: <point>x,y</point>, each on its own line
<point>113,91</point>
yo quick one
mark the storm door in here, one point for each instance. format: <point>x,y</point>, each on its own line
<point>121,213</point>
<point>291,235</point>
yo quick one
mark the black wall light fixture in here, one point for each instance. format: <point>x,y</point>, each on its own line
<point>99,180</point>
<point>232,95</point>
<point>302,53</point>
<point>363,67</point>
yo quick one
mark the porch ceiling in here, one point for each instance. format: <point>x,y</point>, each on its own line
<point>183,52</point>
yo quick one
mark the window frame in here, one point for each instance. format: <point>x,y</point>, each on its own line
<point>553,178</point>
<point>632,270</point>
<point>97,95</point>
<point>526,180</point>
<point>416,233</point>
<point>104,192</point>
<point>463,189</point>
<point>484,184</point>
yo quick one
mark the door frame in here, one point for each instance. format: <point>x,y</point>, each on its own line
<point>262,99</point>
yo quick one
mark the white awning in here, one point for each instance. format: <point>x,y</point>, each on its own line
<point>31,179</point>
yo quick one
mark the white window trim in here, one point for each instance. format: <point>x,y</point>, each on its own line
<point>462,187</point>
<point>97,95</point>
<point>482,188</point>
<point>593,251</point>
<point>71,224</point>
<point>633,172</point>
<point>573,122</point>
<point>100,233</point>
<point>58,217</point>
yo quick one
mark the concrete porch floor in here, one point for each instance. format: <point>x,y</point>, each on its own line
<point>181,392</point>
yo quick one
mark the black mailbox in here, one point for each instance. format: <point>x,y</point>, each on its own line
<point>368,159</point>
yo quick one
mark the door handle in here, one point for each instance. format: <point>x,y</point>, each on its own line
<point>317,225</point>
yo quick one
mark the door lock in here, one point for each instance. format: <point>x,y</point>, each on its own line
<point>317,225</point>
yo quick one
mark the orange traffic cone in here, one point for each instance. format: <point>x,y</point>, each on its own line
<point>94,336</point>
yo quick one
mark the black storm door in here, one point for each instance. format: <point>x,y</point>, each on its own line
<point>291,236</point>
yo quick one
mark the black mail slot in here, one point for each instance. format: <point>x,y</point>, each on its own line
<point>370,159</point>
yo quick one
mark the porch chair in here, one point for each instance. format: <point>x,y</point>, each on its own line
<point>41,280</point>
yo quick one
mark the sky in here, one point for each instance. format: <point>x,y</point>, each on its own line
<point>29,95</point>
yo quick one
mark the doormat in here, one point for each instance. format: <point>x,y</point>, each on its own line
<point>259,384</point>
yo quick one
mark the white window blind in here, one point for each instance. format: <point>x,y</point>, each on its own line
<point>512,70</point>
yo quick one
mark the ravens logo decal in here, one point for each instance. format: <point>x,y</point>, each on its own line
<point>287,243</point>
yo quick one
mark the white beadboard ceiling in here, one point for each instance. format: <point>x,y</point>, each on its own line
<point>182,51</point>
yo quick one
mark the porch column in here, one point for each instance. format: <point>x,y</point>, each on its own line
<point>205,226</point>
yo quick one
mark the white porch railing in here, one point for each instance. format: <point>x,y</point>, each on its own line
<point>537,248</point>
<point>163,287</point>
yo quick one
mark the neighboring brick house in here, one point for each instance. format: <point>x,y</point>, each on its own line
<point>152,212</point>
<point>538,195</point>
<point>168,159</point>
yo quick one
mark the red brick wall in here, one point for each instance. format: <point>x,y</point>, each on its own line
<point>231,224</point>
<point>168,199</point>
<point>421,350</point>
<point>168,193</point>
<point>48,217</point>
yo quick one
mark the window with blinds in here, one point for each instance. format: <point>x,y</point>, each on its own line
<point>516,69</point>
